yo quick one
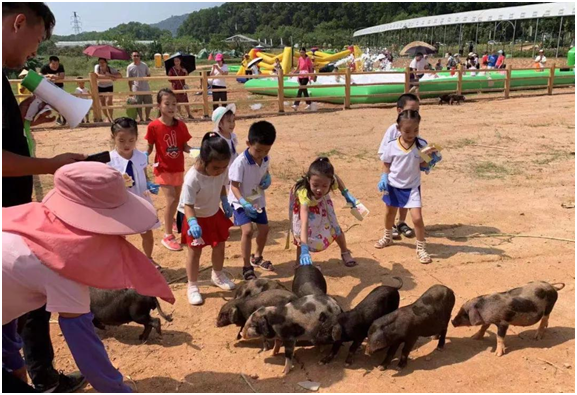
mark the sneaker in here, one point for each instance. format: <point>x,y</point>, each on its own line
<point>194,296</point>
<point>248,273</point>
<point>222,281</point>
<point>295,107</point>
<point>66,383</point>
<point>171,243</point>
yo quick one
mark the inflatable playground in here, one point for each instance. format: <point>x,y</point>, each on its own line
<point>430,85</point>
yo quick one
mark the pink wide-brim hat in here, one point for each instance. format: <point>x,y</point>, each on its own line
<point>219,57</point>
<point>93,197</point>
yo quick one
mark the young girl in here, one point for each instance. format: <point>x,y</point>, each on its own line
<point>169,137</point>
<point>132,163</point>
<point>314,222</point>
<point>401,180</point>
<point>206,224</point>
<point>224,123</point>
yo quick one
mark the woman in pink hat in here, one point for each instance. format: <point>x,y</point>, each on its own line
<point>53,251</point>
<point>218,69</point>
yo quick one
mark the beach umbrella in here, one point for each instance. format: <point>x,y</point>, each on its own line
<point>418,46</point>
<point>253,62</point>
<point>186,61</point>
<point>106,51</point>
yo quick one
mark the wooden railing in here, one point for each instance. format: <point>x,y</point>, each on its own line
<point>202,79</point>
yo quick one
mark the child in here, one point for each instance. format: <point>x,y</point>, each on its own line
<point>407,101</point>
<point>133,163</point>
<point>206,224</point>
<point>249,178</point>
<point>401,180</point>
<point>81,90</point>
<point>314,222</point>
<point>224,123</point>
<point>277,68</point>
<point>169,136</point>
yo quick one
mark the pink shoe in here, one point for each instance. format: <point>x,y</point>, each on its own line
<point>171,243</point>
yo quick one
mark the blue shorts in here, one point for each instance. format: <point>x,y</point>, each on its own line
<point>403,198</point>
<point>240,217</point>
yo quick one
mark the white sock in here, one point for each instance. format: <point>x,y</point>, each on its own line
<point>193,284</point>
<point>216,273</point>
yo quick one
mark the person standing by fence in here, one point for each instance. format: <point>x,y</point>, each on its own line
<point>139,69</point>
<point>54,72</point>
<point>177,85</point>
<point>107,74</point>
<point>219,68</point>
<point>305,65</point>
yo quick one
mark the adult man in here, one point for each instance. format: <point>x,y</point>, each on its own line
<point>24,26</point>
<point>451,62</point>
<point>139,69</point>
<point>417,64</point>
<point>54,71</point>
<point>540,59</point>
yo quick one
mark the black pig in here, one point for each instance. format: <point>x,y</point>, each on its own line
<point>309,280</point>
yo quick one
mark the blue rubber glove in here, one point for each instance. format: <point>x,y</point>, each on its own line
<point>384,182</point>
<point>248,208</point>
<point>305,258</point>
<point>90,355</point>
<point>349,197</point>
<point>265,182</point>
<point>226,206</point>
<point>152,187</point>
<point>426,169</point>
<point>435,158</point>
<point>194,229</point>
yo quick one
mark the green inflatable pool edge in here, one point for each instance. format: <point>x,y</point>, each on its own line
<point>571,57</point>
<point>491,80</point>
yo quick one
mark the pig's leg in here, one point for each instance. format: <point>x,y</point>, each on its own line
<point>542,326</point>
<point>409,344</point>
<point>501,332</point>
<point>332,354</point>
<point>146,333</point>
<point>441,343</point>
<point>98,324</point>
<point>479,335</point>
<point>155,322</point>
<point>289,349</point>
<point>390,355</point>
<point>354,347</point>
<point>277,344</point>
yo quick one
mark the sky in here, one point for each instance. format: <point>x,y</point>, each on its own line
<point>104,15</point>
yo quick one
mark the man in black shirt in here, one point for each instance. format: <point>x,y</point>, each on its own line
<point>54,71</point>
<point>24,26</point>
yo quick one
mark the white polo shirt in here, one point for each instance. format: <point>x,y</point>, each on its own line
<point>391,134</point>
<point>405,163</point>
<point>203,192</point>
<point>246,171</point>
<point>139,164</point>
<point>232,144</point>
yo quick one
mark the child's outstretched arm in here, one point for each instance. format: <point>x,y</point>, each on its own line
<point>226,207</point>
<point>345,192</point>
<point>194,228</point>
<point>305,257</point>
<point>384,182</point>
<point>248,207</point>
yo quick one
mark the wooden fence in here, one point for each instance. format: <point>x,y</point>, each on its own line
<point>202,81</point>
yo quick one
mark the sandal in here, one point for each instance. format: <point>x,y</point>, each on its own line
<point>422,253</point>
<point>396,234</point>
<point>348,262</point>
<point>156,265</point>
<point>386,241</point>
<point>405,229</point>
<point>248,273</point>
<point>260,262</point>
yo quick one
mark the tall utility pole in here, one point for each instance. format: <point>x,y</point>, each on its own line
<point>76,23</point>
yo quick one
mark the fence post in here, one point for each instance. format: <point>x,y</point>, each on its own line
<point>280,77</point>
<point>96,108</point>
<point>204,82</point>
<point>459,80</point>
<point>407,79</point>
<point>508,81</point>
<point>347,89</point>
<point>551,78</point>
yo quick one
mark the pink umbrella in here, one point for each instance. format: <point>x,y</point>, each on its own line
<point>106,52</point>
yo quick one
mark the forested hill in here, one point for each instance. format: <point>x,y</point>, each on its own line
<point>278,19</point>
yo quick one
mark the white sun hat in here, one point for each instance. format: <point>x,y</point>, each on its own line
<point>219,113</point>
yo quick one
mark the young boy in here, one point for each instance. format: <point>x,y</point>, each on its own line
<point>249,178</point>
<point>81,90</point>
<point>406,101</point>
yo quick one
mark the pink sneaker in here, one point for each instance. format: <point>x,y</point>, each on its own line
<point>171,243</point>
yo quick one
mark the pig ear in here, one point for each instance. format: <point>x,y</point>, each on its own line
<point>337,332</point>
<point>233,315</point>
<point>475,317</point>
<point>264,327</point>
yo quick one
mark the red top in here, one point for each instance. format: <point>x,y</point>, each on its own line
<point>168,142</point>
<point>177,85</point>
<point>485,59</point>
<point>500,60</point>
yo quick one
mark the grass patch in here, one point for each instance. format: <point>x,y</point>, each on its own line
<point>463,143</point>
<point>328,154</point>
<point>490,170</point>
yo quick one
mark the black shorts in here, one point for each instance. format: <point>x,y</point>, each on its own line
<point>107,89</point>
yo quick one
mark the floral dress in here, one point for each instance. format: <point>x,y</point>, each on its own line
<point>323,225</point>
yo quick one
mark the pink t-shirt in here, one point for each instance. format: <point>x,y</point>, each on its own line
<point>305,65</point>
<point>28,285</point>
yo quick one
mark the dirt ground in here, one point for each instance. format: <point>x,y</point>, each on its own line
<point>508,166</point>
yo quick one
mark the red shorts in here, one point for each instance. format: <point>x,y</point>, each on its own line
<point>214,230</point>
<point>169,179</point>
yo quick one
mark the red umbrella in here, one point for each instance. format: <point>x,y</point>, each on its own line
<point>106,52</point>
